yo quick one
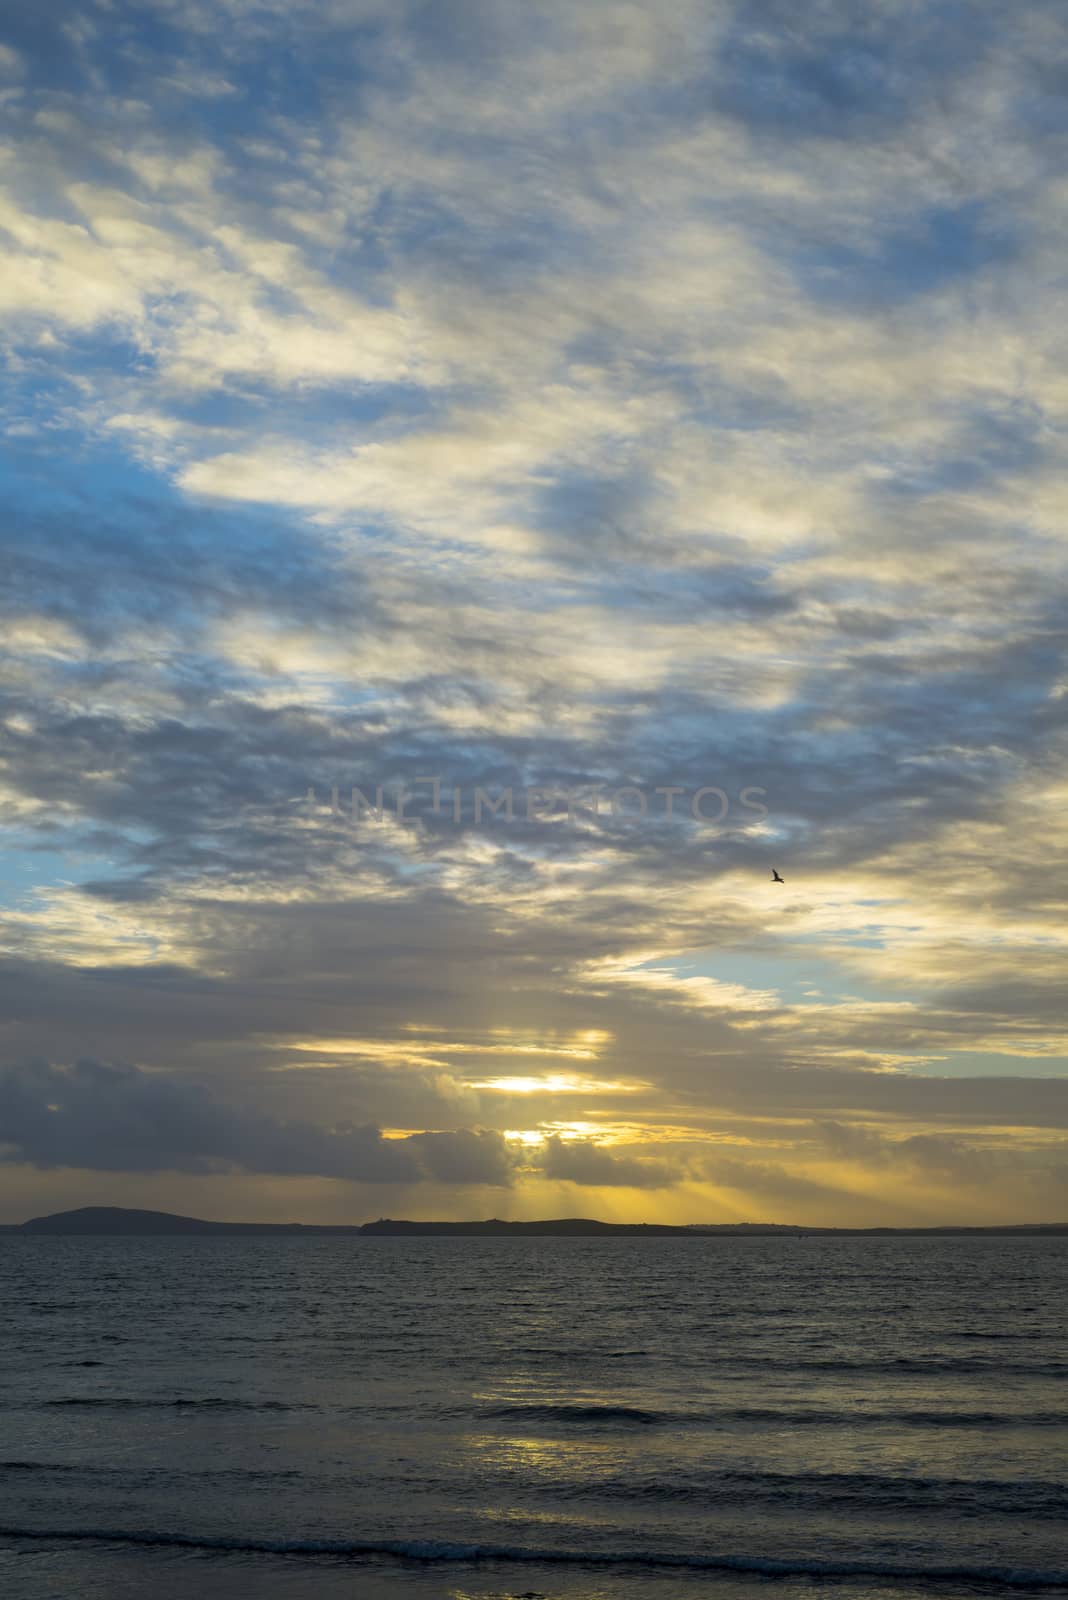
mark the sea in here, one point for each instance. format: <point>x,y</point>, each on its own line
<point>533,1419</point>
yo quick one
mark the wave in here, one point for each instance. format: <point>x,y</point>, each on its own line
<point>972,1360</point>
<point>920,1418</point>
<point>637,1415</point>
<point>210,1403</point>
<point>594,1415</point>
<point>612,1415</point>
<point>168,1474</point>
<point>897,1366</point>
<point>431,1550</point>
<point>1037,1500</point>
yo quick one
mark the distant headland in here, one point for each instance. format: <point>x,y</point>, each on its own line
<point>120,1222</point>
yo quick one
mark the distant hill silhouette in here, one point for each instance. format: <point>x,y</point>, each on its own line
<point>119,1221</point>
<point>560,1228</point>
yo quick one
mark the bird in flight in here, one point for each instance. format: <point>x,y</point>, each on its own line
<point>775,877</point>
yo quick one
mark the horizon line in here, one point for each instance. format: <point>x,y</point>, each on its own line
<point>82,1218</point>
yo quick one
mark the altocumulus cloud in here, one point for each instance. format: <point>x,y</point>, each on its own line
<point>563,396</point>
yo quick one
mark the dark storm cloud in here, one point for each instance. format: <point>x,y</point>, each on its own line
<point>583,1161</point>
<point>121,1119</point>
<point>463,1156</point>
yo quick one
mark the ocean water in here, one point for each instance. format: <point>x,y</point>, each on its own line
<point>489,1418</point>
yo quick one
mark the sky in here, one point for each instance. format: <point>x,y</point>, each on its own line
<point>474,399</point>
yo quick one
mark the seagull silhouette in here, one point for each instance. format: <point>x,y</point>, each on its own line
<point>775,877</point>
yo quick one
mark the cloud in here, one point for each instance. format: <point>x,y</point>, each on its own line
<point>122,1119</point>
<point>592,399</point>
<point>583,1161</point>
<point>464,1156</point>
